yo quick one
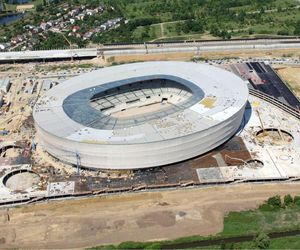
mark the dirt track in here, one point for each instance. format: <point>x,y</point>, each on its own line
<point>143,216</point>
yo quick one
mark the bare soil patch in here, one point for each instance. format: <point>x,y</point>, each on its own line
<point>291,75</point>
<point>187,56</point>
<point>137,217</point>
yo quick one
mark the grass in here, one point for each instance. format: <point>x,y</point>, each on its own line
<point>282,243</point>
<point>186,37</point>
<point>153,32</point>
<point>37,2</point>
<point>291,242</point>
<point>273,23</point>
<point>10,7</point>
<point>263,219</point>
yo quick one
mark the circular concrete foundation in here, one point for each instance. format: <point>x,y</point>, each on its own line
<point>254,163</point>
<point>274,136</point>
<point>21,180</point>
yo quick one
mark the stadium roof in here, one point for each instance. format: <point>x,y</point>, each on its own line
<point>65,110</point>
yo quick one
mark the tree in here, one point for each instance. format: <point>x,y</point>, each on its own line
<point>241,16</point>
<point>297,28</point>
<point>39,8</point>
<point>214,30</point>
<point>283,32</point>
<point>178,28</point>
<point>262,241</point>
<point>228,35</point>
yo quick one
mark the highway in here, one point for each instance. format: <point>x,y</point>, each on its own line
<point>150,48</point>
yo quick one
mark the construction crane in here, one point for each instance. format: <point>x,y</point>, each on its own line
<point>70,45</point>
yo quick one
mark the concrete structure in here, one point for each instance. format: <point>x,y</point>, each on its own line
<point>47,54</point>
<point>47,84</point>
<point>277,155</point>
<point>4,85</point>
<point>157,47</point>
<point>140,115</point>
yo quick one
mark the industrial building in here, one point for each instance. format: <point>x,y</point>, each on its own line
<point>140,115</point>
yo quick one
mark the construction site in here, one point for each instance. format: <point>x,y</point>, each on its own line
<point>265,148</point>
<point>48,203</point>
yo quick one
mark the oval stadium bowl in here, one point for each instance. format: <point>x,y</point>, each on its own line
<point>140,115</point>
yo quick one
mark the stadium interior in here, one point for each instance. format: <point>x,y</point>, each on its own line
<point>141,98</point>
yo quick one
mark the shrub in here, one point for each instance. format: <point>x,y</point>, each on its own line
<point>262,241</point>
<point>131,245</point>
<point>275,201</point>
<point>265,208</point>
<point>153,246</point>
<point>288,200</point>
<point>283,32</point>
<point>227,246</point>
<point>297,200</point>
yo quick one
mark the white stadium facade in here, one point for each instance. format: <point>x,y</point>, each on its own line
<point>140,115</point>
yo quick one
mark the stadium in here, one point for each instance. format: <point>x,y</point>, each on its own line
<point>140,115</point>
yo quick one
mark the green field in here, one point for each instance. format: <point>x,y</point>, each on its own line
<point>238,18</point>
<point>291,242</point>
<point>176,20</point>
<point>169,20</point>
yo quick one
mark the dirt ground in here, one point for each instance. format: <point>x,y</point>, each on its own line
<point>187,56</point>
<point>152,57</point>
<point>139,217</point>
<point>253,54</point>
<point>291,75</point>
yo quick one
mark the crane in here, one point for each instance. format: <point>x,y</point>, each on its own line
<point>70,44</point>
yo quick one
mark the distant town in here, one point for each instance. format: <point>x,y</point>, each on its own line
<point>66,23</point>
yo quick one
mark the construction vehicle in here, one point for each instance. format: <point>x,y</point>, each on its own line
<point>4,132</point>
